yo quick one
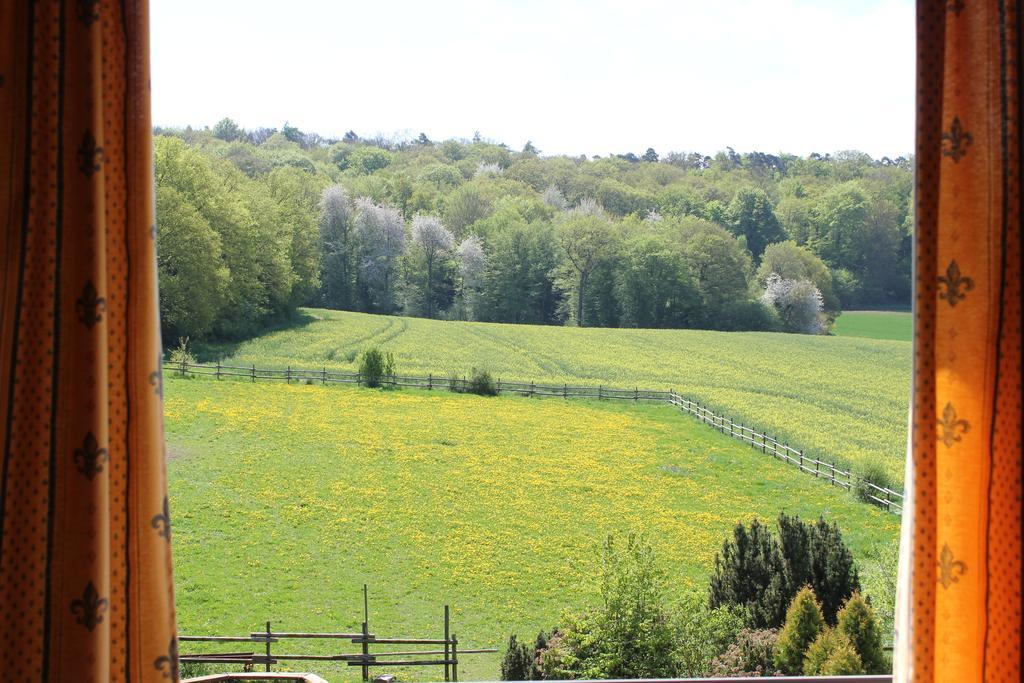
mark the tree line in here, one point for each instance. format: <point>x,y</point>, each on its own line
<point>253,224</point>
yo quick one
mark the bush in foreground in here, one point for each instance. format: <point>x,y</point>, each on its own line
<point>832,654</point>
<point>517,663</point>
<point>857,621</point>
<point>750,654</point>
<point>762,574</point>
<point>804,624</point>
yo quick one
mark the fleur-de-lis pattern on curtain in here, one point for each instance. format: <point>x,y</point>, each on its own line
<point>960,616</point>
<point>85,574</point>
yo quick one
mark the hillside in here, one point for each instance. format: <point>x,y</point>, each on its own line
<point>287,499</point>
<point>845,398</point>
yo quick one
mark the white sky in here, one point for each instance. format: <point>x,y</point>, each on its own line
<point>573,76</point>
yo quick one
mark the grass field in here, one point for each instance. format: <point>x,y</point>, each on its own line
<point>286,499</point>
<point>843,398</point>
<point>893,325</point>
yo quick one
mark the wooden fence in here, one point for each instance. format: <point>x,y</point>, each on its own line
<point>445,650</point>
<point>882,496</point>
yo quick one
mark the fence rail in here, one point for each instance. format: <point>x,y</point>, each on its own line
<point>846,479</point>
<point>448,657</point>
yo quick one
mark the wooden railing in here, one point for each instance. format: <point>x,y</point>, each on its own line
<point>445,651</point>
<point>756,438</point>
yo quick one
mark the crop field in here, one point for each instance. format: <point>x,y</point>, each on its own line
<point>895,325</point>
<point>287,498</point>
<point>843,398</point>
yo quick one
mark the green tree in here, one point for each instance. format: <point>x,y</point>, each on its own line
<point>750,572</point>
<point>193,276</point>
<point>750,215</point>
<point>857,621</point>
<point>720,268</point>
<point>227,130</point>
<point>586,240</point>
<point>367,159</point>
<point>654,287</point>
<point>517,283</point>
<point>464,206</point>
<point>804,624</point>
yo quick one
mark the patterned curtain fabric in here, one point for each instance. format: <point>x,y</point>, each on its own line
<point>85,559</point>
<point>962,616</point>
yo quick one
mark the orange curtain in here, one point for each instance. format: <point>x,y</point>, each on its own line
<point>85,559</point>
<point>963,616</point>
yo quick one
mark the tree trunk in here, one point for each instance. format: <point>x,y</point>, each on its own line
<point>579,299</point>
<point>430,287</point>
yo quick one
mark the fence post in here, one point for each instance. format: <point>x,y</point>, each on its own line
<point>254,373</point>
<point>430,387</point>
<point>565,391</point>
<point>268,646</point>
<point>801,457</point>
<point>288,375</point>
<point>455,658</point>
<point>499,385</point>
<point>184,365</point>
<point>218,368</point>
<point>636,393</point>
<point>447,666</point>
<point>599,396</point>
<point>325,376</point>
<point>532,389</point>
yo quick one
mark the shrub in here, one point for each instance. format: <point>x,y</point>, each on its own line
<point>804,624</point>
<point>635,622</point>
<point>375,366</point>
<point>481,383</point>
<point>762,574</point>
<point>858,623</point>
<point>750,654</point>
<point>629,635</point>
<point>834,576</point>
<point>871,473</point>
<point>701,634</point>
<point>182,354</point>
<point>517,663</point>
<point>750,573</point>
<point>832,654</point>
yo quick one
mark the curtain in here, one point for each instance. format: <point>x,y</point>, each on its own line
<point>962,589</point>
<point>85,559</point>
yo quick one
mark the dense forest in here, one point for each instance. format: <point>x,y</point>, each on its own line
<point>253,224</point>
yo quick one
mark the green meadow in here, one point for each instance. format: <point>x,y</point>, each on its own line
<point>842,398</point>
<point>288,498</point>
<point>893,325</point>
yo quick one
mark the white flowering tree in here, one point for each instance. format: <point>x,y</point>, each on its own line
<point>798,303</point>
<point>336,236</point>
<point>381,233</point>
<point>434,240</point>
<point>470,254</point>
<point>555,199</point>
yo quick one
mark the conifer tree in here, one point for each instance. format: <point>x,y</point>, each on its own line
<point>804,624</point>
